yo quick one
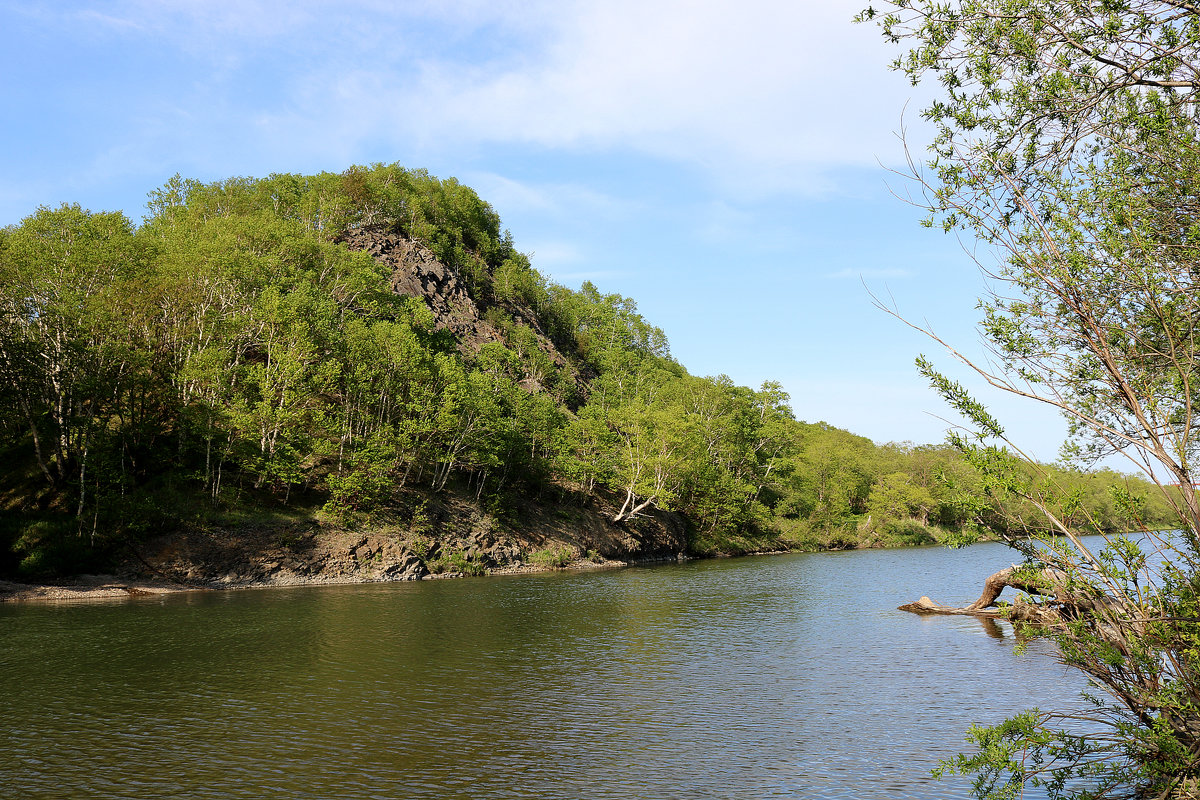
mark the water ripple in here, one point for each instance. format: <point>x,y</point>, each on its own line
<point>783,677</point>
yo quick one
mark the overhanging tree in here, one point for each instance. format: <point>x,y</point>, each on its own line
<point>1067,144</point>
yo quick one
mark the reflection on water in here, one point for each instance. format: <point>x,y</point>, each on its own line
<point>787,676</point>
<point>991,628</point>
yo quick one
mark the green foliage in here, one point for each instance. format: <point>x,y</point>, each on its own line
<point>232,349</point>
<point>50,547</point>
<point>363,484</point>
<point>456,562</point>
<point>420,524</point>
<point>420,547</point>
<point>551,557</point>
<point>1067,143</point>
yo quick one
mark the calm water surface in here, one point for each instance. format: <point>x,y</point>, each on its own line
<point>784,676</point>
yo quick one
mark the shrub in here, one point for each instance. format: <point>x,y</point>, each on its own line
<point>553,557</point>
<point>456,562</point>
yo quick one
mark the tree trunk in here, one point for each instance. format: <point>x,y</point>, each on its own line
<point>1005,578</point>
<point>1044,583</point>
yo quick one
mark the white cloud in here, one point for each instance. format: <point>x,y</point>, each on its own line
<point>759,92</point>
<point>759,95</point>
<point>91,17</point>
<point>762,85</point>
<point>550,198</point>
<point>719,222</point>
<point>190,19</point>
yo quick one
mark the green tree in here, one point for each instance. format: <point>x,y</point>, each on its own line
<point>235,344</point>
<point>896,503</point>
<point>1067,143</point>
<point>1031,89</point>
<point>70,338</point>
<point>588,449</point>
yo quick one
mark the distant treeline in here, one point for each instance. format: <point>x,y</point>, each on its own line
<point>232,349</point>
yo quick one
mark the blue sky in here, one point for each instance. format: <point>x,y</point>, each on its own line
<point>726,164</point>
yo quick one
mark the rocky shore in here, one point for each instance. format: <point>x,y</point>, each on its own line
<point>92,588</point>
<point>442,537</point>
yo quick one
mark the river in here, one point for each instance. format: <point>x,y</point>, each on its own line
<point>787,676</point>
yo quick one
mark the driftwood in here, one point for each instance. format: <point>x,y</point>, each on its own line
<point>927,606</point>
<point>1009,577</point>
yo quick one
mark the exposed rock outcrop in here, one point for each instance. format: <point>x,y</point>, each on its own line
<point>417,272</point>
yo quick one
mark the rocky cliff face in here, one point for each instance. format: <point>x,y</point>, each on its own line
<point>416,272</point>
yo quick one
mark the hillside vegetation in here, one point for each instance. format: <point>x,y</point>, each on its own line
<point>355,346</point>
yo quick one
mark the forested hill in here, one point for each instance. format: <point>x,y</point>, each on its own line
<point>359,348</point>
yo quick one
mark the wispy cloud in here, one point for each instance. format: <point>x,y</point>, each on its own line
<point>759,92</point>
<point>755,96</point>
<point>553,198</point>
<point>91,17</point>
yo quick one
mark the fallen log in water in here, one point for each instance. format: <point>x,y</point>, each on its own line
<point>1045,582</point>
<point>927,606</point>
